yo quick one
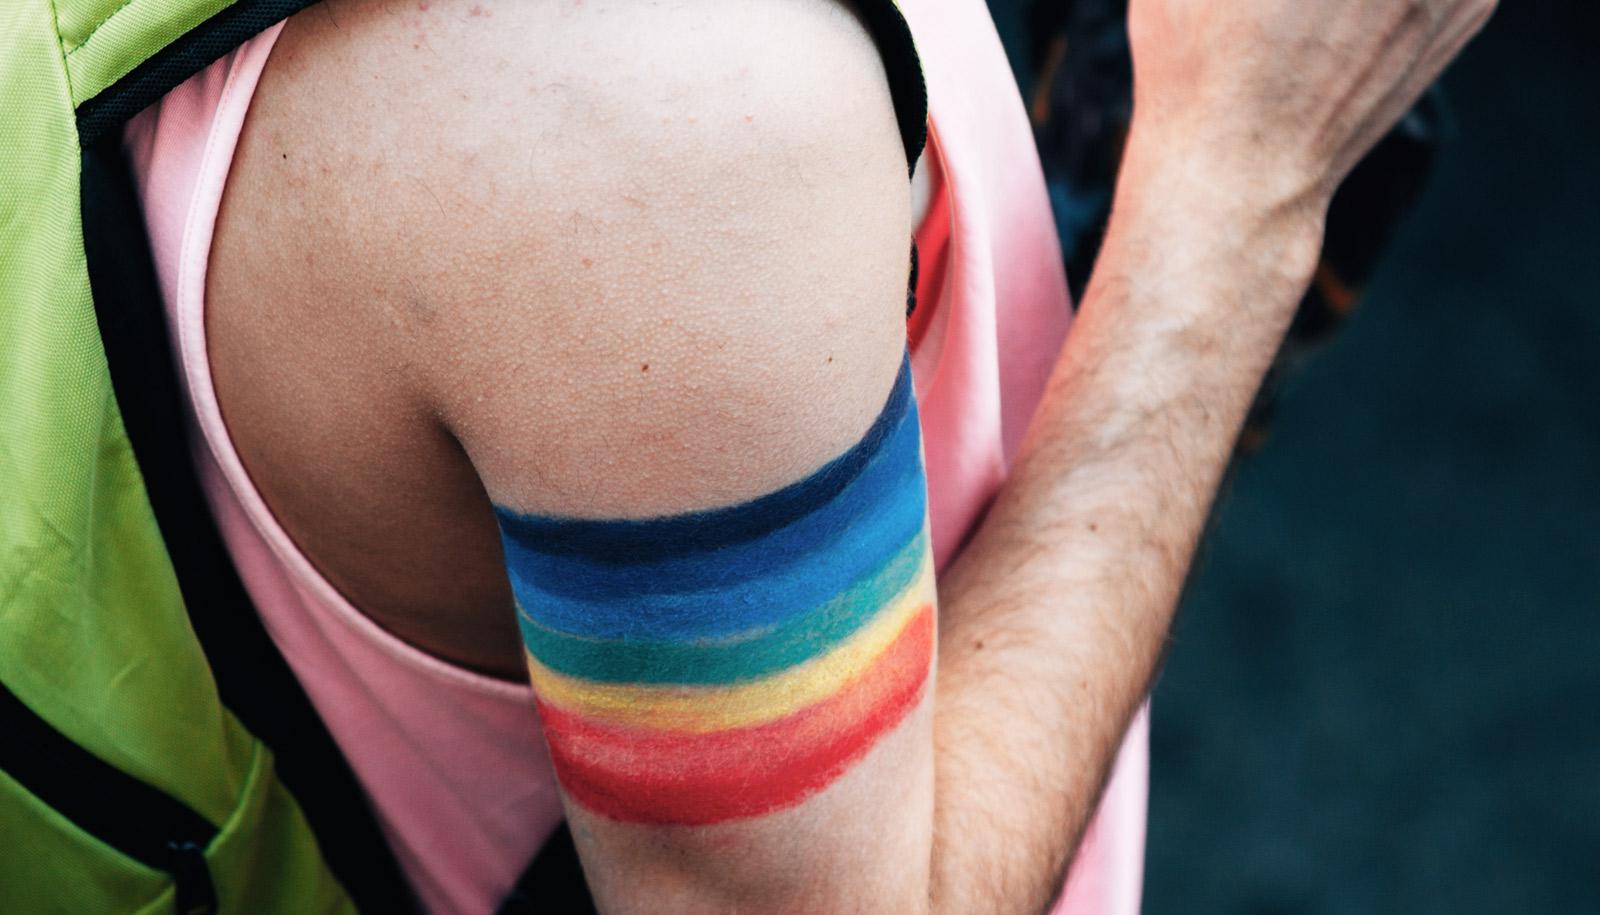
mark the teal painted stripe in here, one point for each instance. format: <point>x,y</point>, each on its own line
<point>732,659</point>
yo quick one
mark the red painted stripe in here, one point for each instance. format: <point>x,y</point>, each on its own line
<point>643,775</point>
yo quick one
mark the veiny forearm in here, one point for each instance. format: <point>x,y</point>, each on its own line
<point>1054,617</point>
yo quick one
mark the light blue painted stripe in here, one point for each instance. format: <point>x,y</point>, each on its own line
<point>749,603</point>
<point>885,478</point>
<point>740,586</point>
<point>731,660</point>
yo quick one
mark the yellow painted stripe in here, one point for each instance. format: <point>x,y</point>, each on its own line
<point>701,709</point>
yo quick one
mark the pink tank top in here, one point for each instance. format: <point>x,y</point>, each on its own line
<point>452,760</point>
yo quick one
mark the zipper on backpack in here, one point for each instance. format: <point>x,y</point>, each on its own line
<point>135,818</point>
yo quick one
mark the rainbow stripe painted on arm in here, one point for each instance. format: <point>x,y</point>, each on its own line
<point>729,663</point>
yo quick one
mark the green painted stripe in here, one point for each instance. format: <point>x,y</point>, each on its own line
<point>729,660</point>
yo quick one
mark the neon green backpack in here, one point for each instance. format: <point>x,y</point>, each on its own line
<point>156,752</point>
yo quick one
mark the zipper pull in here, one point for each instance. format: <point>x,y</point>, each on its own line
<point>193,891</point>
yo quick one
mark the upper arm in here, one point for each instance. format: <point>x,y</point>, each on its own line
<point>736,698</point>
<point>661,307</point>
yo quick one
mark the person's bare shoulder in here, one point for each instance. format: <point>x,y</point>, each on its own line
<point>639,260</point>
<point>665,234</point>
<point>608,261</point>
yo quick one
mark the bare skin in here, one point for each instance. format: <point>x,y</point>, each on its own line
<point>389,342</point>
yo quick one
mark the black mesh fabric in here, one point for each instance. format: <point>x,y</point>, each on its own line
<point>190,54</point>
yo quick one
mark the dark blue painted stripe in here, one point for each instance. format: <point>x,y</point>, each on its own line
<point>868,543</point>
<point>730,660</point>
<point>892,471</point>
<point>629,541</point>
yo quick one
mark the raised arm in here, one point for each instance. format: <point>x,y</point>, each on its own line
<point>1247,116</point>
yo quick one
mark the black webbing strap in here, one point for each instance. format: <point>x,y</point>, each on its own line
<point>907,89</point>
<point>252,678</point>
<point>189,54</point>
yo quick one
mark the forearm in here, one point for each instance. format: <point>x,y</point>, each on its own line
<point>1055,615</point>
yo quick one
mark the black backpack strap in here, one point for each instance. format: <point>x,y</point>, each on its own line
<point>253,680</point>
<point>197,49</point>
<point>907,89</point>
<point>252,677</point>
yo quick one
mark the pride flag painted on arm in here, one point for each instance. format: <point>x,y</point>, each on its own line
<point>724,664</point>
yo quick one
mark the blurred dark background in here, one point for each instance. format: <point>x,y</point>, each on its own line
<point>1384,692</point>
